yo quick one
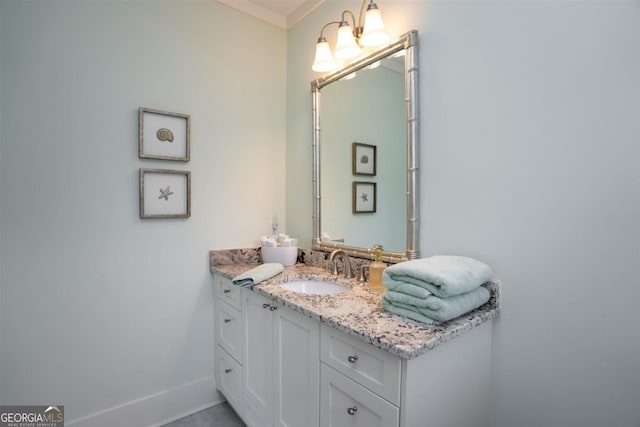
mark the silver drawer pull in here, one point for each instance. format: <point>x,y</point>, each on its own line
<point>352,411</point>
<point>227,320</point>
<point>352,359</point>
<point>226,291</point>
<point>226,371</point>
<point>273,308</point>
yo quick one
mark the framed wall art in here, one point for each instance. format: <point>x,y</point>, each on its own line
<point>363,159</point>
<point>164,135</point>
<point>165,193</point>
<point>363,197</point>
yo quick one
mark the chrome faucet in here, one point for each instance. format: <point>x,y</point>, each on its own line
<point>345,260</point>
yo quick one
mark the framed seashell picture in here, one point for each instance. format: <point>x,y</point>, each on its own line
<point>164,135</point>
<point>363,159</point>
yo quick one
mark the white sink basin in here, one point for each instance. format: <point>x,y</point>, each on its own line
<point>313,287</point>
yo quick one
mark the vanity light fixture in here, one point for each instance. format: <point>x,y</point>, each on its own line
<point>367,33</point>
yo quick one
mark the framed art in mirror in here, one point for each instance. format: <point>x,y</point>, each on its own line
<point>165,193</point>
<point>363,159</point>
<point>164,135</point>
<point>363,196</point>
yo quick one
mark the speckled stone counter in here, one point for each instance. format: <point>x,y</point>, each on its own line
<point>359,312</point>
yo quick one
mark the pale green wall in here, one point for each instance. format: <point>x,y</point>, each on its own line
<point>348,109</point>
<point>529,161</point>
<point>100,308</point>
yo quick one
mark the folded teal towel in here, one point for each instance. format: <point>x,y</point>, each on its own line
<point>258,274</point>
<point>411,314</point>
<point>431,308</point>
<point>442,275</point>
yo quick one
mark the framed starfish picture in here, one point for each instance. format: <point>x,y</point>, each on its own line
<point>165,193</point>
<point>164,135</point>
<point>363,197</point>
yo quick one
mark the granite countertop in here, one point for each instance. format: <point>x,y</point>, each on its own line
<point>359,312</point>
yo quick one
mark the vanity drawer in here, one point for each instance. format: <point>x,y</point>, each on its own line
<point>229,379</point>
<point>229,326</point>
<point>371,367</point>
<point>227,291</point>
<point>343,402</point>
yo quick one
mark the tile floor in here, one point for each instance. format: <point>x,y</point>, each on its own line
<point>217,416</point>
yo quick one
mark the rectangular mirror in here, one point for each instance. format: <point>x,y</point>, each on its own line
<point>365,140</point>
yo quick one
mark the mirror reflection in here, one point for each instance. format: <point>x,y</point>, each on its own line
<point>365,155</point>
<point>367,110</point>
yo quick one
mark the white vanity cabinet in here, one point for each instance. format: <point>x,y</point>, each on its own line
<point>281,364</point>
<point>278,367</point>
<point>362,385</point>
<point>228,334</point>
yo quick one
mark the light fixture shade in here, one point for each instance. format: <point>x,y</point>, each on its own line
<point>346,46</point>
<point>349,76</point>
<point>324,59</point>
<point>373,34</point>
<point>374,65</point>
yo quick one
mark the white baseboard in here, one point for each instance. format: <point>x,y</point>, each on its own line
<point>157,409</point>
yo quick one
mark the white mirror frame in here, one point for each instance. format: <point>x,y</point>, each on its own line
<point>409,43</point>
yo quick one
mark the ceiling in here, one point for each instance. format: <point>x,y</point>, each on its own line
<point>283,13</point>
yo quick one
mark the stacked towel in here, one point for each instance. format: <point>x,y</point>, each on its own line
<point>435,289</point>
<point>258,274</point>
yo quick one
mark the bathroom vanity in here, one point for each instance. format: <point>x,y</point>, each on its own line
<point>285,358</point>
<point>288,358</point>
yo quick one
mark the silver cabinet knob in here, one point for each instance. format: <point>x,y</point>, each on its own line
<point>227,320</point>
<point>352,359</point>
<point>265,305</point>
<point>273,308</point>
<point>226,371</point>
<point>352,411</point>
<point>226,291</point>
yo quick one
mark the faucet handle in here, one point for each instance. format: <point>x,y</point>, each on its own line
<point>361,277</point>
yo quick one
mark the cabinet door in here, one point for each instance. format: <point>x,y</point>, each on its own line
<point>344,403</point>
<point>227,291</point>
<point>371,367</point>
<point>229,379</point>
<point>229,329</point>
<point>297,365</point>
<point>258,359</point>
